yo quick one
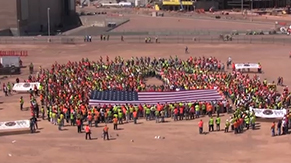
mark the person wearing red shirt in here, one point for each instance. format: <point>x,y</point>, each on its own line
<point>200,125</point>
<point>176,114</point>
<point>235,124</point>
<point>181,113</point>
<point>78,122</point>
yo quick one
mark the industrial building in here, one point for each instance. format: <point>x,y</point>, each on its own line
<point>255,4</point>
<point>189,5</point>
<point>34,17</point>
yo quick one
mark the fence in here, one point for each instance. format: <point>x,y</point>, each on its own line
<point>181,32</point>
<point>282,40</point>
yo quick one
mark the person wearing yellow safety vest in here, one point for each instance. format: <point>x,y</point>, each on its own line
<point>157,116</point>
<point>253,122</point>
<point>42,112</point>
<point>162,115</point>
<point>73,118</point>
<point>59,121</point>
<point>259,68</point>
<point>227,124</point>
<point>127,114</point>
<point>49,118</point>
<point>197,110</point>
<point>21,103</point>
<point>62,118</point>
<point>131,109</point>
<point>120,117</point>
<point>217,121</point>
<point>147,113</point>
<point>247,121</point>
<point>210,124</point>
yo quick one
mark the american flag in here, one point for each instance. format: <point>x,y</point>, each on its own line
<point>166,97</point>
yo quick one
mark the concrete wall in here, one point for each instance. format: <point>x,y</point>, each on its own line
<point>8,14</point>
<point>38,15</point>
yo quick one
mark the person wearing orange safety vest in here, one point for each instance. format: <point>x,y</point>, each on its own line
<point>88,132</point>
<point>115,121</point>
<point>105,132</point>
<point>135,117</point>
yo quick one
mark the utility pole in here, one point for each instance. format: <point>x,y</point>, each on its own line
<point>18,25</point>
<point>251,10</point>
<point>242,7</point>
<point>48,22</point>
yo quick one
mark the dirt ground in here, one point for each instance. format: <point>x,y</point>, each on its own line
<point>145,23</point>
<point>182,142</point>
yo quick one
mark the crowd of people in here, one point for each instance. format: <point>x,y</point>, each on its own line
<point>65,90</point>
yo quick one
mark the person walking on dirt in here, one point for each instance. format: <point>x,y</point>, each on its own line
<point>21,103</point>
<point>186,50</point>
<point>273,128</point>
<point>31,68</point>
<point>227,124</point>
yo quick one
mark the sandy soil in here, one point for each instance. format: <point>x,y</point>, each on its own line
<point>182,142</point>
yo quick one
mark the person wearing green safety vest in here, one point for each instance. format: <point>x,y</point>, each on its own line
<point>197,110</point>
<point>162,115</point>
<point>127,114</point>
<point>59,121</point>
<point>203,109</point>
<point>227,124</point>
<point>120,117</point>
<point>115,109</point>
<point>131,109</point>
<point>119,110</point>
<point>148,113</point>
<point>72,119</point>
<point>171,111</point>
<point>217,121</point>
<point>253,122</point>
<point>115,115</point>
<point>54,118</point>
<point>247,122</point>
<point>210,124</point>
<point>109,116</point>
<point>157,116</point>
<point>49,115</point>
<point>21,103</point>
<point>153,109</point>
<point>166,111</point>
<point>42,112</point>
